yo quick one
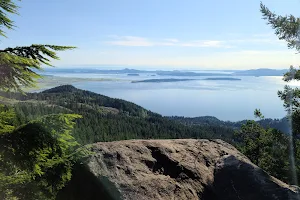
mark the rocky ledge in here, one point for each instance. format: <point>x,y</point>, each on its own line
<point>172,169</point>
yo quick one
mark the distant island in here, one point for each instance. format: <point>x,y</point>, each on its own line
<point>161,80</point>
<point>133,74</point>
<point>223,79</point>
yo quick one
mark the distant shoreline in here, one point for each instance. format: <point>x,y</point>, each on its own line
<point>49,81</point>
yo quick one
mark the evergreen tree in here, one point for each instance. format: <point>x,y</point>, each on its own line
<point>288,28</point>
<point>267,148</point>
<point>7,118</point>
<point>36,157</point>
<point>18,65</point>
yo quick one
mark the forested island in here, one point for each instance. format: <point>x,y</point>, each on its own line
<point>179,80</point>
<point>132,74</point>
<point>161,80</point>
<point>223,79</point>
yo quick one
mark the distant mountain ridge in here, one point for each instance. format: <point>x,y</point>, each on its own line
<point>251,72</point>
<point>260,72</point>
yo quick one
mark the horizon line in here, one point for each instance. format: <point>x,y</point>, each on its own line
<point>154,66</point>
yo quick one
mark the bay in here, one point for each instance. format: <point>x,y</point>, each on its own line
<point>224,99</point>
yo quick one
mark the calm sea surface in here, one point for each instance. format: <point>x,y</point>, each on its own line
<point>226,100</point>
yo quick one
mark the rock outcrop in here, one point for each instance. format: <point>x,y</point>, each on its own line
<point>172,169</point>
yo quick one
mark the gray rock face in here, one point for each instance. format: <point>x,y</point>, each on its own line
<point>173,169</point>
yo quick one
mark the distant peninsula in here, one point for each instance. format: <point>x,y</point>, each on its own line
<point>133,74</point>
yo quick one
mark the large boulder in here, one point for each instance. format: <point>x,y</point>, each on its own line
<point>172,169</point>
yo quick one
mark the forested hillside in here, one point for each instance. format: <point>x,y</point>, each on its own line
<point>279,124</point>
<point>108,119</point>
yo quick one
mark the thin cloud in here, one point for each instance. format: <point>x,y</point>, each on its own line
<point>145,42</point>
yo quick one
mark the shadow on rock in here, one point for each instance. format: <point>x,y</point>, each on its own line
<point>85,185</point>
<point>238,180</point>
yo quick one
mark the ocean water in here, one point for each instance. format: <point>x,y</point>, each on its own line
<point>226,100</point>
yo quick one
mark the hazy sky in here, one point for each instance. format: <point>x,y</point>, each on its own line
<point>216,34</point>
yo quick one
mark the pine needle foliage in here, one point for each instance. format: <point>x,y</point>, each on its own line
<point>7,118</point>
<point>7,7</point>
<point>19,65</point>
<point>36,158</point>
<point>287,28</point>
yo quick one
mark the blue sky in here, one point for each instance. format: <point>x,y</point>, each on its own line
<point>203,34</point>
